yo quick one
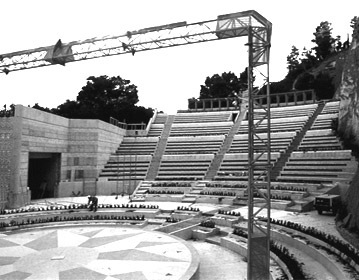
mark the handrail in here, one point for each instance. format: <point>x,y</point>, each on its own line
<point>131,126</point>
<point>233,103</point>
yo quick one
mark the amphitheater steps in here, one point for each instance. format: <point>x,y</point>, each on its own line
<point>216,239</point>
<point>156,159</point>
<point>138,199</point>
<point>282,160</point>
<point>189,199</point>
<point>141,190</point>
<point>195,191</point>
<point>306,204</point>
<point>216,163</point>
<point>300,206</point>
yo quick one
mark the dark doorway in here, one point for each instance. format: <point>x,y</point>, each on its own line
<point>44,174</point>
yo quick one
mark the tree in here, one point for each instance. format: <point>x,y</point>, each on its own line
<point>293,59</point>
<point>324,86</point>
<point>45,109</point>
<point>104,97</point>
<point>353,22</point>
<point>69,109</point>
<point>324,41</point>
<point>225,85</point>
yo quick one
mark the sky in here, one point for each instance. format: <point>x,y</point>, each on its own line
<point>165,78</point>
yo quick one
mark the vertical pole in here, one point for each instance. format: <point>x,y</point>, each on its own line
<point>135,175</point>
<point>124,171</point>
<point>258,253</point>
<point>269,166</point>
<point>250,154</point>
<point>118,173</point>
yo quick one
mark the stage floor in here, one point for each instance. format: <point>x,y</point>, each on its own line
<point>95,252</point>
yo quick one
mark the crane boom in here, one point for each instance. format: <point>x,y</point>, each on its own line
<point>169,35</point>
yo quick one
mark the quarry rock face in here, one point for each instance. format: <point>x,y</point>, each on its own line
<point>348,93</point>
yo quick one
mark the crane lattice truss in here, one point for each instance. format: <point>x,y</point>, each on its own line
<point>250,24</point>
<point>169,35</point>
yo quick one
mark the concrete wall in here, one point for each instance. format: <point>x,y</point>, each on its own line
<point>40,132</point>
<point>9,160</point>
<point>84,147</point>
<point>89,145</point>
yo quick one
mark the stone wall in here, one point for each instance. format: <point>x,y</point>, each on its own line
<point>81,146</point>
<point>90,144</point>
<point>6,156</point>
<point>38,132</point>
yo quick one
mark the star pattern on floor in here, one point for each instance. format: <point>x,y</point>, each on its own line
<point>106,253</point>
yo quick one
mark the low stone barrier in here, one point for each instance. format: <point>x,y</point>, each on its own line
<point>241,249</point>
<point>323,244</point>
<point>225,220</point>
<point>164,198</point>
<point>215,199</point>
<point>315,254</point>
<point>64,223</point>
<point>184,215</point>
<point>28,217</point>
<point>201,233</point>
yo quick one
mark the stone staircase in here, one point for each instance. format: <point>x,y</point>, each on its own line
<point>191,197</point>
<point>282,160</point>
<point>216,162</point>
<point>156,159</point>
<point>305,204</point>
<point>139,193</point>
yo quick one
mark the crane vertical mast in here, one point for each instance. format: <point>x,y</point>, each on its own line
<point>248,24</point>
<point>259,149</point>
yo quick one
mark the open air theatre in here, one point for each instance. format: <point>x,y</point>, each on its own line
<point>211,172</point>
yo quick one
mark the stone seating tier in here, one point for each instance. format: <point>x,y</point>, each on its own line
<point>324,121</point>
<point>160,119</point>
<point>217,128</point>
<point>320,139</point>
<point>137,145</point>
<point>144,151</point>
<point>124,175</point>
<point>287,112</point>
<point>279,142</point>
<point>320,132</point>
<point>320,166</point>
<point>126,166</point>
<point>183,166</point>
<point>201,117</point>
<point>277,125</point>
<point>235,167</point>
<point>331,107</point>
<point>320,143</point>
<point>155,130</point>
<point>188,145</point>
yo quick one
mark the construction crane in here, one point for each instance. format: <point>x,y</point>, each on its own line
<point>248,24</point>
<point>169,35</point>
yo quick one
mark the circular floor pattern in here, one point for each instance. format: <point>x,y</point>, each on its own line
<point>101,253</point>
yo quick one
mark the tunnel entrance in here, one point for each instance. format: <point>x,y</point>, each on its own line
<point>44,174</point>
